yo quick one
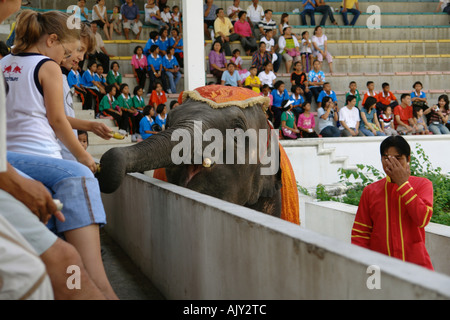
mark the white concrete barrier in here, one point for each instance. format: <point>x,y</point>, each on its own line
<point>335,220</point>
<point>194,246</point>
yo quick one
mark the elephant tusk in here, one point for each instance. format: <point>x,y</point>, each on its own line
<point>207,163</point>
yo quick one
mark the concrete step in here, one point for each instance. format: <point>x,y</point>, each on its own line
<point>96,140</point>
<point>99,149</point>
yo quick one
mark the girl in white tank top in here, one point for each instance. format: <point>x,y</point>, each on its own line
<point>35,102</point>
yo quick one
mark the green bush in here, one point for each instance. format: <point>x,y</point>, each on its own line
<point>357,180</point>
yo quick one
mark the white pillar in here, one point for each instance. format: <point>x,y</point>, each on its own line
<point>194,44</point>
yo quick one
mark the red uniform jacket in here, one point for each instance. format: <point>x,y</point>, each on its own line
<point>391,219</point>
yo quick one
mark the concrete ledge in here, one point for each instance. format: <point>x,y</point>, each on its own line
<point>196,247</point>
<point>335,220</point>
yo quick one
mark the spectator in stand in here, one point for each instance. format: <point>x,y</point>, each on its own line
<point>267,76</point>
<point>267,23</point>
<point>387,122</point>
<point>114,77</point>
<point>284,22</point>
<point>100,78</point>
<point>175,21</point>
<point>89,83</point>
<point>354,92</point>
<point>266,92</point>
<point>100,16</point>
<point>166,16</point>
<point>403,115</point>
<point>370,92</point>
<point>130,115</point>
<point>163,42</point>
<point>349,119</point>
<point>325,10</point>
<point>316,79</point>
<point>138,98</point>
<point>320,44</point>
<point>327,92</point>
<point>328,117</point>
<point>419,125</point>
<point>176,41</point>
<point>253,80</point>
<point>280,97</point>
<point>153,15</point>
<point>369,124</point>
<point>347,6</point>
<point>140,66</point>
<point>306,122</point>
<point>237,60</point>
<point>108,108</point>
<point>152,40</point>
<point>439,116</point>
<point>158,96</point>
<point>147,123</point>
<point>306,51</point>
<point>443,5</point>
<point>300,79</point>
<point>100,53</point>
<point>116,20</point>
<point>131,18</point>
<point>255,13</point>
<point>231,77</point>
<point>224,31</point>
<point>386,98</point>
<point>289,48</point>
<point>81,11</point>
<point>243,29</point>
<point>155,69</point>
<point>309,7</point>
<point>172,69</point>
<point>161,116</point>
<point>288,127</point>
<point>209,11</point>
<point>217,61</point>
<point>233,11</point>
<point>418,97</point>
<point>74,81</point>
<point>272,48</point>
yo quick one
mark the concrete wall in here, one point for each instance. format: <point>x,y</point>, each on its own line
<point>335,219</point>
<point>196,247</point>
<point>316,161</point>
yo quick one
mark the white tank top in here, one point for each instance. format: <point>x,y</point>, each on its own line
<point>28,129</point>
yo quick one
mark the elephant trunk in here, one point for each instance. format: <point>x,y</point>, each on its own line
<point>153,153</point>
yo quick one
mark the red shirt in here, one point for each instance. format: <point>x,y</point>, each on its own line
<point>392,219</point>
<point>157,99</point>
<point>386,99</point>
<point>404,113</point>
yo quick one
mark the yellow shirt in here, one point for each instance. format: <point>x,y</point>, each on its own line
<point>349,3</point>
<point>223,27</point>
<point>253,80</point>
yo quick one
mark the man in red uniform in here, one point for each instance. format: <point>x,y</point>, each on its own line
<point>394,211</point>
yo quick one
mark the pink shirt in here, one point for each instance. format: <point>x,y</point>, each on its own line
<point>139,63</point>
<point>306,122</point>
<point>243,29</point>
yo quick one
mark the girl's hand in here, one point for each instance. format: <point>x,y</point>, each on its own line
<point>88,161</point>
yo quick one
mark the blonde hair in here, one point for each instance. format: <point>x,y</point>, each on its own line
<point>88,36</point>
<point>32,25</point>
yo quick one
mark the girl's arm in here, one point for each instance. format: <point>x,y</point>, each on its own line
<point>50,77</point>
<point>99,128</point>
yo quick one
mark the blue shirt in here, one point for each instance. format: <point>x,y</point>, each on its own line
<point>316,77</point>
<point>163,45</point>
<point>130,13</point>
<point>155,62</point>
<point>148,45</point>
<point>323,94</point>
<point>73,79</point>
<point>296,101</point>
<point>161,122</point>
<point>99,79</point>
<point>308,6</point>
<point>87,79</point>
<point>180,44</point>
<point>369,116</point>
<point>422,95</point>
<point>231,79</point>
<point>212,12</point>
<point>146,125</point>
<point>170,64</point>
<point>279,98</point>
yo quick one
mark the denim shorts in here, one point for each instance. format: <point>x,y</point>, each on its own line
<point>71,183</point>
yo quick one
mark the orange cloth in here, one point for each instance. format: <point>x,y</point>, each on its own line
<point>160,174</point>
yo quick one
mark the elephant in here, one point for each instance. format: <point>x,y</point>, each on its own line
<point>237,182</point>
